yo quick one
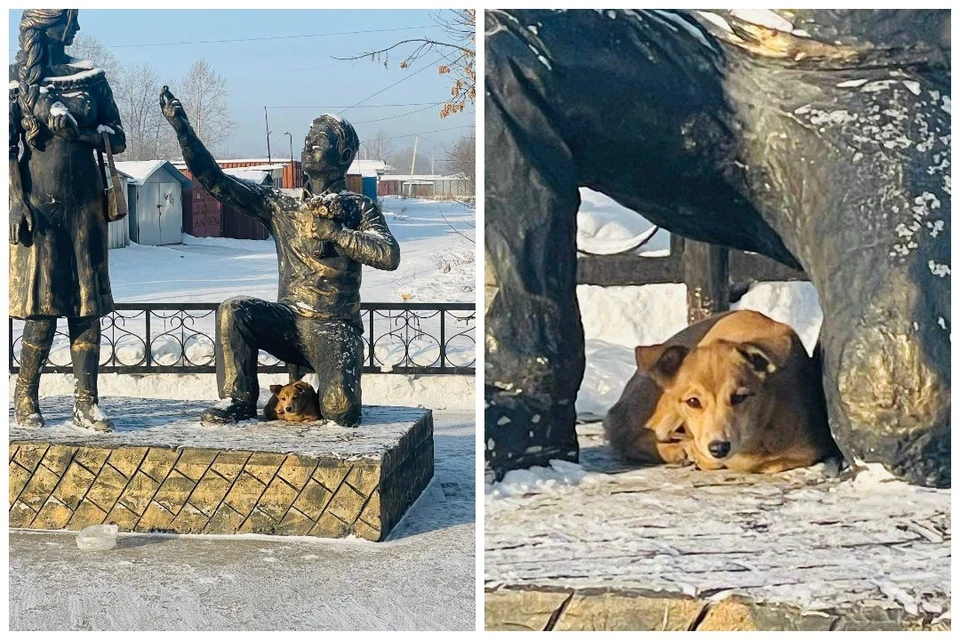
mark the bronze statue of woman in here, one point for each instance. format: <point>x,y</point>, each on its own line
<point>60,109</point>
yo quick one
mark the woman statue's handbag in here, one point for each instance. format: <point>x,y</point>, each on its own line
<point>115,204</point>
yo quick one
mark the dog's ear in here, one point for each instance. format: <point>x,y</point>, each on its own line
<point>275,388</point>
<point>761,358</point>
<point>660,362</point>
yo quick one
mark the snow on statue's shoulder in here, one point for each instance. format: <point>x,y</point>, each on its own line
<point>81,64</point>
<point>83,74</point>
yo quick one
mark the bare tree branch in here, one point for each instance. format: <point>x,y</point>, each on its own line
<point>461,158</point>
<point>378,147</point>
<point>204,95</point>
<point>425,44</point>
<point>455,230</point>
<point>86,47</point>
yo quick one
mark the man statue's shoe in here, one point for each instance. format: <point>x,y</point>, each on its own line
<point>88,415</point>
<point>227,411</point>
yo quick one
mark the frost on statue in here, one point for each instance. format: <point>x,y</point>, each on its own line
<point>323,240</point>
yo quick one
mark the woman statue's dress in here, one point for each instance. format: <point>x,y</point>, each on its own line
<point>60,267</point>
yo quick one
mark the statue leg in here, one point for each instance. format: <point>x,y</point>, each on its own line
<point>245,326</point>
<point>533,335</point>
<point>85,352</point>
<point>862,198</point>
<point>335,352</point>
<point>35,347</point>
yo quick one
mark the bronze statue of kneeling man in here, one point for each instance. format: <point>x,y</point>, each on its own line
<point>322,241</point>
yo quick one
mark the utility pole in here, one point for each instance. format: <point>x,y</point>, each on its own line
<point>413,162</point>
<point>432,156</point>
<point>266,122</point>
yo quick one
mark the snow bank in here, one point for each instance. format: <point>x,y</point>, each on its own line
<point>604,226</point>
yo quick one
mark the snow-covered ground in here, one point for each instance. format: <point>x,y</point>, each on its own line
<point>617,319</point>
<point>422,577</point>
<point>603,226</point>
<point>806,538</point>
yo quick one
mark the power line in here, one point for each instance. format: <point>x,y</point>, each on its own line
<point>275,73</point>
<point>306,35</point>
<point>366,106</point>
<point>390,86</point>
<point>435,104</point>
<point>410,135</point>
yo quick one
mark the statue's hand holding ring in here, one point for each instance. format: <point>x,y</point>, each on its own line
<point>173,110</point>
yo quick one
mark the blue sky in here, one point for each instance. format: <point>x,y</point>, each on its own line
<point>292,71</point>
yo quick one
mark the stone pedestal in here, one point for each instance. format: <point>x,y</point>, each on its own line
<point>162,472</point>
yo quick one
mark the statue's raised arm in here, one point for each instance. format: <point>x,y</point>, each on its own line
<point>241,194</point>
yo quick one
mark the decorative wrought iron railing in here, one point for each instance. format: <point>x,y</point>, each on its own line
<point>403,338</point>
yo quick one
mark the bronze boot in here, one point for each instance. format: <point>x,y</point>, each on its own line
<point>26,402</point>
<point>34,349</point>
<point>85,351</point>
<point>87,414</point>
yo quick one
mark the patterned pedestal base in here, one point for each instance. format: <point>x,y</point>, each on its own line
<point>271,478</point>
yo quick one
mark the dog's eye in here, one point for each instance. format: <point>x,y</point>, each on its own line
<point>738,398</point>
<point>693,403</point>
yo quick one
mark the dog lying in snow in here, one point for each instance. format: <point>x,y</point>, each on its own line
<point>295,402</point>
<point>735,391</point>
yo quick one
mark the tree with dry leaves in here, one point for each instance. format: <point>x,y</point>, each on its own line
<point>457,56</point>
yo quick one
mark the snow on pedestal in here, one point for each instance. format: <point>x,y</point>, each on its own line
<point>160,471</point>
<point>604,546</point>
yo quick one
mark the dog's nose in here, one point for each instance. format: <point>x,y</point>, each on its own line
<point>719,448</point>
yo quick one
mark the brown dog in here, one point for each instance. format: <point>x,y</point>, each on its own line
<point>295,402</point>
<point>736,391</point>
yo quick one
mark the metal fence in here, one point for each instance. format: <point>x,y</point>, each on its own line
<point>403,338</point>
<point>715,276</point>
